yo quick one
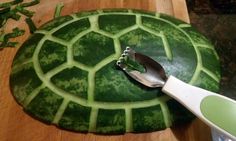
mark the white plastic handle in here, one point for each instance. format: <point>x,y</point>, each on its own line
<point>215,110</point>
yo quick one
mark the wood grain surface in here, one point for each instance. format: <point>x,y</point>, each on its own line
<point>16,125</point>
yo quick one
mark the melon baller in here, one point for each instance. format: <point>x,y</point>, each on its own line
<point>217,111</point>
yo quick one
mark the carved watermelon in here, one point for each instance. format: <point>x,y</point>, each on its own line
<point>65,73</point>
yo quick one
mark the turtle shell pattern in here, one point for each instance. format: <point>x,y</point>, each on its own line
<point>65,73</point>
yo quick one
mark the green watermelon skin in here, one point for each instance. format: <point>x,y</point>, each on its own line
<point>66,74</point>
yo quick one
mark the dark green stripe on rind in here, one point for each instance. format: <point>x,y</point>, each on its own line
<point>24,81</point>
<point>27,49</point>
<point>110,121</point>
<point>71,30</point>
<point>93,48</point>
<point>144,42</point>
<point>113,85</point>
<point>45,105</point>
<point>148,119</point>
<point>197,37</point>
<point>72,80</point>
<point>51,55</point>
<point>55,23</point>
<point>178,114</point>
<point>115,23</point>
<point>181,47</point>
<point>206,82</point>
<point>75,117</point>
<point>210,62</point>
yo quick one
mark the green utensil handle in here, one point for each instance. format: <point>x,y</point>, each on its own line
<point>221,111</point>
<point>215,110</point>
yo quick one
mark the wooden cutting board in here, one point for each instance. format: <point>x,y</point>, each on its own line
<point>16,125</point>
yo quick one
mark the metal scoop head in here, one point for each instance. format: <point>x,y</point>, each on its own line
<point>142,68</point>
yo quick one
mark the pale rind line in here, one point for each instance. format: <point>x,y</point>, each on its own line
<point>57,40</point>
<point>93,119</point>
<point>73,40</point>
<point>196,73</point>
<point>104,33</point>
<point>158,15</point>
<point>42,31</point>
<point>104,62</point>
<point>124,31</point>
<point>150,31</point>
<point>91,86</point>
<point>138,20</point>
<point>94,22</point>
<point>204,46</point>
<point>80,66</point>
<point>184,25</point>
<point>209,46</point>
<point>69,54</point>
<point>128,120</point>
<point>117,47</point>
<point>56,70</point>
<point>33,94</point>
<point>60,111</point>
<point>19,65</point>
<point>166,113</point>
<point>211,74</point>
<point>164,40</point>
<point>166,46</point>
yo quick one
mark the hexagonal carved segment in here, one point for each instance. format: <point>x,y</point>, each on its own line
<point>24,81</point>
<point>72,80</point>
<point>92,48</point>
<point>71,30</point>
<point>76,117</point>
<point>45,105</point>
<point>115,23</point>
<point>51,55</point>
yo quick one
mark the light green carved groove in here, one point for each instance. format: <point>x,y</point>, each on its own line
<point>124,31</point>
<point>93,22</point>
<point>56,70</point>
<point>204,46</point>
<point>104,62</point>
<point>69,54</point>
<point>60,111</point>
<point>138,20</point>
<point>104,33</point>
<point>80,65</point>
<point>91,83</point>
<point>158,15</point>
<point>18,66</point>
<point>208,47</point>
<point>166,46</point>
<point>211,74</point>
<point>33,95</point>
<point>79,36</point>
<point>128,120</point>
<point>184,25</point>
<point>117,48</point>
<point>93,119</point>
<point>166,114</point>
<point>150,31</point>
